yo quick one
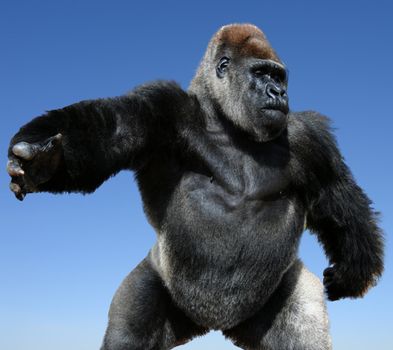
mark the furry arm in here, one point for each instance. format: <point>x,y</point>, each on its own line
<point>341,215</point>
<point>80,146</point>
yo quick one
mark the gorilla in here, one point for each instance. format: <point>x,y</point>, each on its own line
<point>229,179</point>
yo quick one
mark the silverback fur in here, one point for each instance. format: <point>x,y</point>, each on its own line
<point>228,177</point>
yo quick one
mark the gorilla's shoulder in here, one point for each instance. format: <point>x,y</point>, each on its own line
<point>311,137</point>
<point>312,126</point>
<point>166,100</point>
<point>311,120</point>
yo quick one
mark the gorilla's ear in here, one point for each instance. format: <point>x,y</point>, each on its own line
<point>222,67</point>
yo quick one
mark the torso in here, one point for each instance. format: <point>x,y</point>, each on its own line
<point>231,226</point>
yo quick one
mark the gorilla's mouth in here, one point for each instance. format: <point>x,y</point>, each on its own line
<point>282,109</point>
<point>276,106</point>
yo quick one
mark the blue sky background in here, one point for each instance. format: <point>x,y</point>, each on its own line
<point>62,257</point>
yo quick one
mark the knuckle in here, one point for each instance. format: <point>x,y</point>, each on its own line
<point>14,168</point>
<point>14,187</point>
<point>23,150</point>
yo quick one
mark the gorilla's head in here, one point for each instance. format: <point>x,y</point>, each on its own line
<point>245,81</point>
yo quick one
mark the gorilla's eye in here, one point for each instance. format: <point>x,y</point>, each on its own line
<point>259,73</point>
<point>222,67</point>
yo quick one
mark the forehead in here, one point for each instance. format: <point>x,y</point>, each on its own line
<point>246,40</point>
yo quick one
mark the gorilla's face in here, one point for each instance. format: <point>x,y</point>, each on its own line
<point>252,94</point>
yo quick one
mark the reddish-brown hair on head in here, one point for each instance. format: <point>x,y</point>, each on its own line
<point>247,40</point>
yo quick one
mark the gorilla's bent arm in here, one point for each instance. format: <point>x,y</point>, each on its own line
<point>98,138</point>
<point>341,215</point>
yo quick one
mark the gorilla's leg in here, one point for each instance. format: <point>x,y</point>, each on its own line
<point>143,317</point>
<point>294,318</point>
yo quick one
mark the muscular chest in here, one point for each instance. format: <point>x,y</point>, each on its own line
<point>212,179</point>
<point>235,174</point>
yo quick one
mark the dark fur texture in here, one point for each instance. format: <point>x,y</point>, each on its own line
<point>227,184</point>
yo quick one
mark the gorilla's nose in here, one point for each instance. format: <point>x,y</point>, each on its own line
<point>274,91</point>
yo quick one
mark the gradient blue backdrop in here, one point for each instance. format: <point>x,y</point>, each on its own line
<point>62,257</point>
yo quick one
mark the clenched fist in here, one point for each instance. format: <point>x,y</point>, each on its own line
<point>32,164</point>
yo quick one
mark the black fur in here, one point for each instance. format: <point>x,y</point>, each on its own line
<point>227,196</point>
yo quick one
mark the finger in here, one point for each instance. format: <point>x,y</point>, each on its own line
<point>329,271</point>
<point>17,190</point>
<point>334,293</point>
<point>333,297</point>
<point>14,168</point>
<point>25,150</point>
<point>21,196</point>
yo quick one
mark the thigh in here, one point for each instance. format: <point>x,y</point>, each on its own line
<point>294,318</point>
<point>142,315</point>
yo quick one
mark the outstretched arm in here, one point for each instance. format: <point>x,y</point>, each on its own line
<point>78,147</point>
<point>341,215</point>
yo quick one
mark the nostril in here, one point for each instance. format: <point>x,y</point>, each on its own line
<point>274,91</point>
